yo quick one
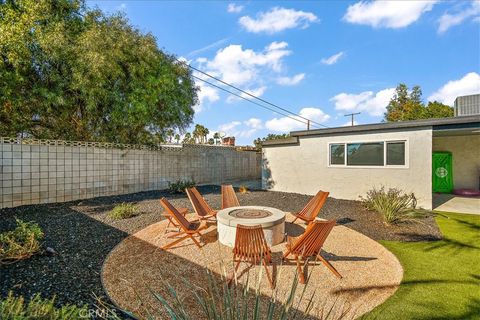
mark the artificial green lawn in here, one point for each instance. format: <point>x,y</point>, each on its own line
<point>441,278</point>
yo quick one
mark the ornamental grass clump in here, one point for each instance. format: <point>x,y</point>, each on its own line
<point>123,211</point>
<point>15,308</point>
<point>394,205</point>
<point>20,243</point>
<point>179,186</point>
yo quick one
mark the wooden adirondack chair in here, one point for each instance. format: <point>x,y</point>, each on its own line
<point>251,247</point>
<point>309,244</point>
<point>229,198</point>
<point>313,207</point>
<point>201,207</point>
<point>171,221</point>
<point>187,229</point>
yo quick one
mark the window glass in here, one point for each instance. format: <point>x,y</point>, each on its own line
<point>337,154</point>
<point>365,154</point>
<point>396,153</point>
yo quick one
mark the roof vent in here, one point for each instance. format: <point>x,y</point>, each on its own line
<point>467,105</point>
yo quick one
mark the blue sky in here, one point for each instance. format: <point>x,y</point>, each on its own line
<point>318,59</point>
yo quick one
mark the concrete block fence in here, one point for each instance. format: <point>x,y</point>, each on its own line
<point>46,171</point>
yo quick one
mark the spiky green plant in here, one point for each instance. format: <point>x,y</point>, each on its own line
<point>20,243</point>
<point>218,300</point>
<point>123,211</point>
<point>394,205</point>
<point>179,186</point>
<point>16,308</point>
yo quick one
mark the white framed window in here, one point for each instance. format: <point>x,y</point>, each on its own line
<point>368,154</point>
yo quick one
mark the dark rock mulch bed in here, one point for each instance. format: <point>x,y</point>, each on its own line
<point>82,235</point>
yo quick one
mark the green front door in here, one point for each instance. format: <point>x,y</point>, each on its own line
<point>442,170</point>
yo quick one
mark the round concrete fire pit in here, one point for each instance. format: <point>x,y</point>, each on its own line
<point>272,221</point>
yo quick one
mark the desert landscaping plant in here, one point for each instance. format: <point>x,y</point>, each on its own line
<point>394,205</point>
<point>179,186</point>
<point>20,243</point>
<point>217,300</point>
<point>243,189</point>
<point>123,211</point>
<point>16,308</point>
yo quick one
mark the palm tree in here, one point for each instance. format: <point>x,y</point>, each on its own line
<point>187,138</point>
<point>216,137</point>
<point>177,138</point>
<point>205,132</point>
<point>169,133</point>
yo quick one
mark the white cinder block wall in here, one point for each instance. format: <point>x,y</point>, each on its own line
<point>304,168</point>
<point>58,171</point>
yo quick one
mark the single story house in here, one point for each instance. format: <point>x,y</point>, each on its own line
<point>349,161</point>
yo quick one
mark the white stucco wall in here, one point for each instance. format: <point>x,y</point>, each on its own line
<point>466,158</point>
<point>304,168</point>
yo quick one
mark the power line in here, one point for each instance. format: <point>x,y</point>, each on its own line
<point>249,94</point>
<point>242,97</point>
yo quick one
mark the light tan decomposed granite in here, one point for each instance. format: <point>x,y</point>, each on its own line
<point>137,265</point>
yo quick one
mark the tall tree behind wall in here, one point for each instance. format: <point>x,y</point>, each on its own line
<point>409,106</point>
<point>69,72</point>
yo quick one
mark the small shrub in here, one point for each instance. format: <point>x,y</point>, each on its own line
<point>180,185</point>
<point>15,308</point>
<point>123,211</point>
<point>243,189</point>
<point>393,205</point>
<point>20,243</point>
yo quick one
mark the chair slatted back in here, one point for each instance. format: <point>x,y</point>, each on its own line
<point>199,204</point>
<point>311,241</point>
<point>250,244</point>
<point>229,198</point>
<point>179,218</point>
<point>313,207</point>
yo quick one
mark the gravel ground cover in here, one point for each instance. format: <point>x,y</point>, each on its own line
<point>137,267</point>
<point>82,235</point>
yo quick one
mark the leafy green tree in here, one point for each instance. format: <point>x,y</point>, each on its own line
<point>69,72</point>
<point>409,106</point>
<point>436,109</point>
<point>271,136</point>
<point>211,141</point>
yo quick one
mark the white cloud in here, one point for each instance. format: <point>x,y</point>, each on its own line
<point>254,91</point>
<point>448,20</point>
<point>349,123</point>
<point>254,123</point>
<point>333,59</point>
<point>389,14</point>
<point>233,8</point>
<point>287,124</point>
<point>373,103</point>
<point>208,47</point>
<point>469,84</point>
<point>277,19</point>
<point>291,81</point>
<point>228,127</point>
<point>122,7</point>
<point>246,68</point>
<point>206,94</point>
<point>239,129</point>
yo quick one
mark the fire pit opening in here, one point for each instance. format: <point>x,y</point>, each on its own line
<point>249,213</point>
